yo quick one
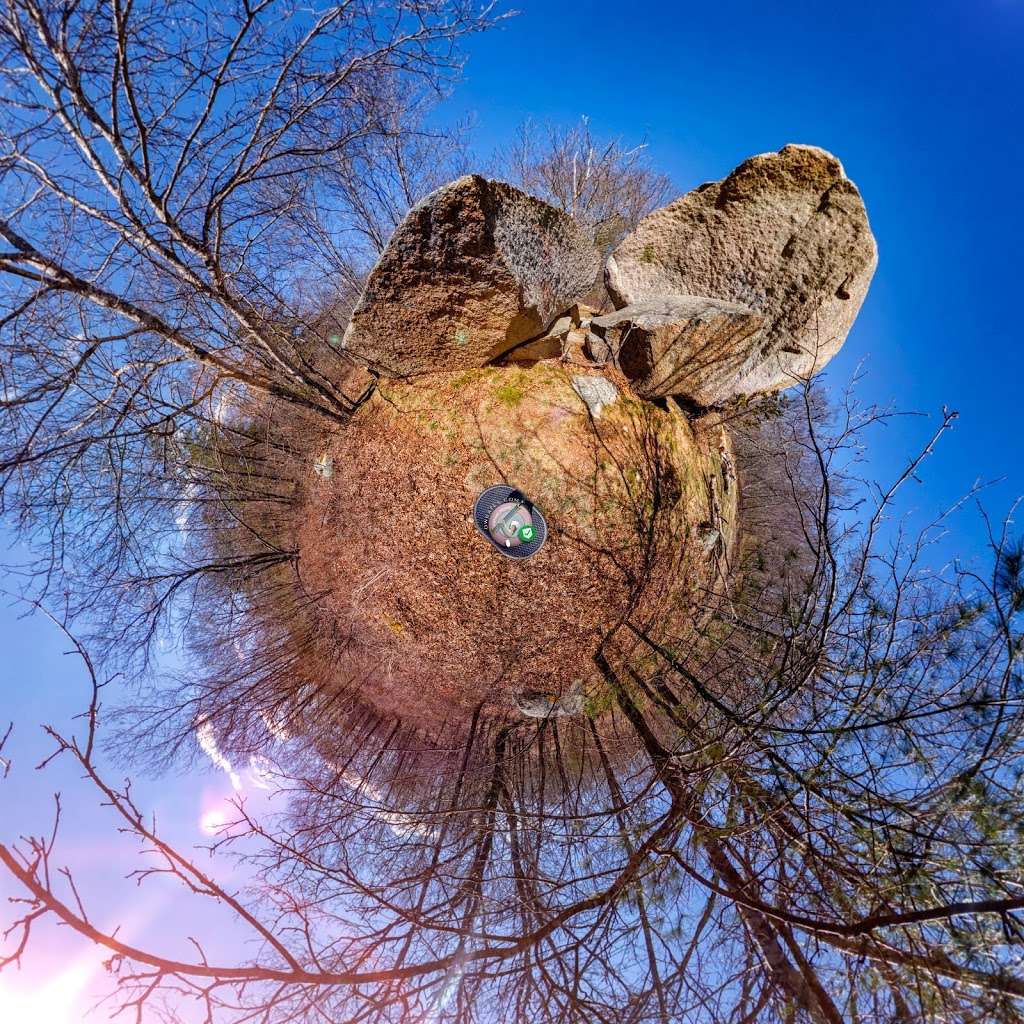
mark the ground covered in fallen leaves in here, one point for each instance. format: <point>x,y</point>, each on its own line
<point>417,606</point>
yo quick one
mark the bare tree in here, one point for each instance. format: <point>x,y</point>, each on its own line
<point>180,192</point>
<point>604,184</point>
<point>803,806</point>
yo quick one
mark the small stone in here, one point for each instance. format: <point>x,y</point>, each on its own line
<point>710,538</point>
<point>547,347</point>
<point>561,327</point>
<point>534,704</point>
<point>565,339</point>
<point>596,392</point>
<point>324,466</point>
<point>597,349</point>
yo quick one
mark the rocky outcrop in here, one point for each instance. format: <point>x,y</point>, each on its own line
<point>692,347</point>
<point>474,270</point>
<point>535,704</point>
<point>785,234</point>
<point>564,339</point>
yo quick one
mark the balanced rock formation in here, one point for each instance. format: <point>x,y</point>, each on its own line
<point>687,346</point>
<point>785,234</point>
<point>474,270</point>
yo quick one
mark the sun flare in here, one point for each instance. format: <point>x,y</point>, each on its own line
<point>62,999</point>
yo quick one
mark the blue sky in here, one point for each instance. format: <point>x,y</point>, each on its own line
<point>921,101</point>
<point>61,977</point>
<point>923,104</point>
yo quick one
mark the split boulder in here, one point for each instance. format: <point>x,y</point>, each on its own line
<point>474,270</point>
<point>562,340</point>
<point>688,346</point>
<point>786,234</point>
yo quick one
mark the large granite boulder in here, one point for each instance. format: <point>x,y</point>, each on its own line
<point>785,234</point>
<point>688,346</point>
<point>475,269</point>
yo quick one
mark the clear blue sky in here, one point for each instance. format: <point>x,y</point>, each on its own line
<point>922,102</point>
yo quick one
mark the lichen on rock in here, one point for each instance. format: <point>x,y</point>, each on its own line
<point>475,269</point>
<point>785,234</point>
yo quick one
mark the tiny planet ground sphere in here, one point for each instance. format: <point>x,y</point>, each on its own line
<point>480,360</point>
<point>424,614</point>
